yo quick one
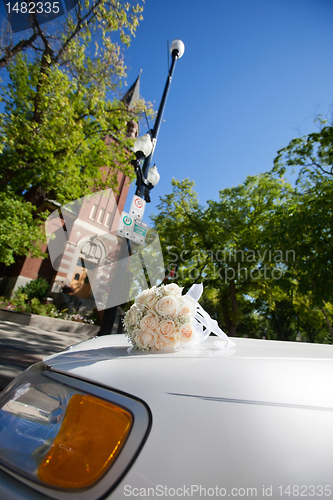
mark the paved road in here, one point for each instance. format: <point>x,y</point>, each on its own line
<point>21,346</point>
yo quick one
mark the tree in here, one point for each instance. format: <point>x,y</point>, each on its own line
<point>313,154</point>
<point>224,244</point>
<point>59,153</point>
<point>61,136</point>
<point>311,323</point>
<point>305,223</point>
<point>180,229</point>
<point>264,250</point>
<point>258,254</point>
<point>20,232</point>
<point>239,222</point>
<point>67,40</point>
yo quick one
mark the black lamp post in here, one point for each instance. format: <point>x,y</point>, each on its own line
<point>144,185</point>
<point>147,177</point>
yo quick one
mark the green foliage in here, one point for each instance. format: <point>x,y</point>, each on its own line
<point>329,339</point>
<point>263,252</point>
<point>313,154</point>
<point>20,303</point>
<point>225,244</point>
<point>72,41</point>
<point>34,306</point>
<point>59,154</point>
<point>305,223</point>
<point>63,131</point>
<point>21,232</point>
<point>28,298</point>
<point>93,317</point>
<point>35,289</point>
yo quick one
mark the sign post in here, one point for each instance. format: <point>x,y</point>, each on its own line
<point>138,206</point>
<point>130,225</point>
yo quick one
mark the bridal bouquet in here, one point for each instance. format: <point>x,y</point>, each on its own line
<point>162,318</point>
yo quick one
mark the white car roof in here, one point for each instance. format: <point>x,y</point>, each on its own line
<point>254,370</point>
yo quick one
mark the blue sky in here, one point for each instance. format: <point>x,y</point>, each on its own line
<point>253,76</point>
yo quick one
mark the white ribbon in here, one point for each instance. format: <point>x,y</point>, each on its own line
<point>205,324</point>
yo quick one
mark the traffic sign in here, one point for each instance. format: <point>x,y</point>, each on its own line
<point>131,228</point>
<point>139,232</point>
<point>138,206</point>
<point>125,226</point>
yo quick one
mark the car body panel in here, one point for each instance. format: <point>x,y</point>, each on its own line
<point>254,415</point>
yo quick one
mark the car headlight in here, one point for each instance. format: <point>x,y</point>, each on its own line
<point>62,435</point>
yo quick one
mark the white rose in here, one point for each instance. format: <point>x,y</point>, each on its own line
<point>140,299</point>
<point>166,328</point>
<point>188,307</point>
<point>144,339</point>
<point>163,343</point>
<point>186,333</point>
<point>168,306</point>
<point>133,315</point>
<point>150,301</point>
<point>149,321</point>
<point>173,289</point>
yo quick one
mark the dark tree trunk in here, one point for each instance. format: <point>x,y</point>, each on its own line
<point>232,323</point>
<point>327,320</point>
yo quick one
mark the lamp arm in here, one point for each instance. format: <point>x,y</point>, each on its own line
<point>139,177</point>
<point>157,125</point>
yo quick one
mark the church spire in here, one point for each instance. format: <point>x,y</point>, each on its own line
<point>132,95</point>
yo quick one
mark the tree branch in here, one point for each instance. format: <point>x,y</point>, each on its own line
<point>314,163</point>
<point>19,47</point>
<point>82,22</point>
<point>327,320</point>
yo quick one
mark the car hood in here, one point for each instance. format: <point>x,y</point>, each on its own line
<point>257,414</point>
<point>257,371</point>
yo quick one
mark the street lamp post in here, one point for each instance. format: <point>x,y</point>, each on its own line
<point>147,177</point>
<point>177,49</point>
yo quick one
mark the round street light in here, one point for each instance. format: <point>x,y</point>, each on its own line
<point>143,146</point>
<point>153,176</point>
<point>178,47</point>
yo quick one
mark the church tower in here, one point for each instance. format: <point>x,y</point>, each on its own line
<point>130,99</point>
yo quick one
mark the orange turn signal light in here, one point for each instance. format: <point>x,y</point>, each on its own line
<point>91,435</point>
